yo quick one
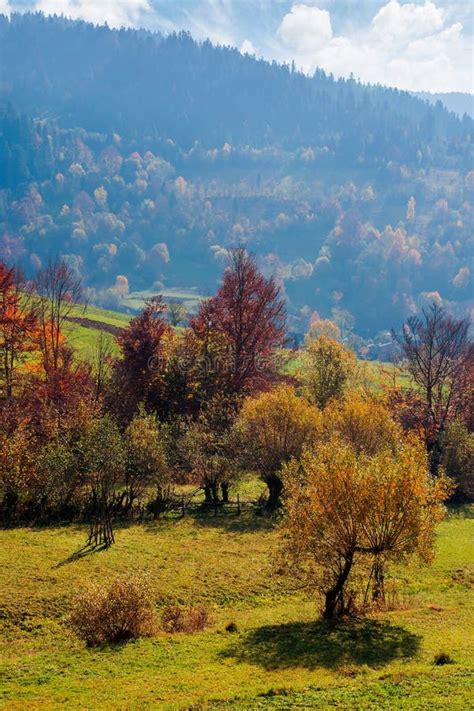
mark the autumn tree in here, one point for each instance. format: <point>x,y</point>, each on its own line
<point>326,370</point>
<point>347,514</point>
<point>465,389</point>
<point>18,449</point>
<point>143,350</point>
<point>17,325</point>
<point>323,327</point>
<point>104,461</point>
<point>458,457</point>
<point>248,311</point>
<point>176,313</point>
<point>101,362</point>
<point>206,363</point>
<point>62,484</point>
<point>274,427</point>
<point>146,466</point>
<point>437,354</point>
<point>364,423</point>
<point>183,384</point>
<point>58,290</point>
<point>210,450</point>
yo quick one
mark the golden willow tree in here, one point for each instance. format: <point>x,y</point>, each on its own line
<point>273,428</point>
<point>348,514</point>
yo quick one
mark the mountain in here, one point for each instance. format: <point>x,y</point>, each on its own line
<point>457,101</point>
<point>141,158</point>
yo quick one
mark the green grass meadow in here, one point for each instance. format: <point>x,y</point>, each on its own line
<point>83,337</point>
<point>282,656</point>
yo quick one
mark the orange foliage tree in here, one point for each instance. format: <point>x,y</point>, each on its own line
<point>350,513</point>
<point>364,423</point>
<point>17,325</point>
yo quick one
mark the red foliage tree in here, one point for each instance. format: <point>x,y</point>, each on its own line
<point>17,325</point>
<point>143,353</point>
<point>249,314</point>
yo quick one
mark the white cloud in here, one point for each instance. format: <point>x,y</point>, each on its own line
<point>247,47</point>
<point>399,24</point>
<point>4,7</point>
<point>213,19</point>
<point>411,46</point>
<point>116,13</point>
<point>305,28</point>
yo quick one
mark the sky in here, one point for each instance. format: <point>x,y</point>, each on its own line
<point>419,46</point>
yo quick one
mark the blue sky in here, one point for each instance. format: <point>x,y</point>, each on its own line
<point>413,45</point>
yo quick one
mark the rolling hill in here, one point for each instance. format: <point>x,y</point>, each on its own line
<point>141,158</point>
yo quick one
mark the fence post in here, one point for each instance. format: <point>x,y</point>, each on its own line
<point>238,504</point>
<point>182,506</point>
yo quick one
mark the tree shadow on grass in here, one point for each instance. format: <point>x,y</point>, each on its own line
<point>460,511</point>
<point>81,553</point>
<point>247,522</point>
<point>316,644</point>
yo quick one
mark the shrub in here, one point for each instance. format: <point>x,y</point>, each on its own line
<point>179,618</point>
<point>442,658</point>
<point>231,627</point>
<point>122,612</point>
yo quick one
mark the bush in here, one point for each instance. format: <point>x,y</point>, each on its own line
<point>178,618</point>
<point>122,612</point>
<point>442,658</point>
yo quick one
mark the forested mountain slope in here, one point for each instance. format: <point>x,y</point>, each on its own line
<point>141,158</point>
<point>459,102</point>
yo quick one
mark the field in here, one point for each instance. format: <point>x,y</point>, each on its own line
<point>281,657</point>
<point>85,326</point>
<point>189,297</point>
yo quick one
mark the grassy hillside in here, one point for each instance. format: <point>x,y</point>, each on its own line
<point>280,658</point>
<point>86,325</point>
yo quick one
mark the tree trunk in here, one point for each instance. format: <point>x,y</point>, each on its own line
<point>434,449</point>
<point>275,487</point>
<point>378,590</point>
<point>215,492</point>
<point>207,493</point>
<point>225,492</point>
<point>101,531</point>
<point>334,596</point>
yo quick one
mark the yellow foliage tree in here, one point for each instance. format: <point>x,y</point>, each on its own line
<point>349,513</point>
<point>326,369</point>
<point>275,427</point>
<point>146,465</point>
<point>17,468</point>
<point>363,423</point>
<point>323,327</point>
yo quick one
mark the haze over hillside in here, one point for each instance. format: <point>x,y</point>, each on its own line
<point>456,101</point>
<point>141,156</point>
